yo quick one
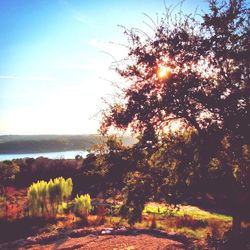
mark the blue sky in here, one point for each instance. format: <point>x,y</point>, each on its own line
<point>52,64</point>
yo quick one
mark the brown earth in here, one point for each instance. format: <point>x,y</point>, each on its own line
<point>101,239</point>
<point>111,242</point>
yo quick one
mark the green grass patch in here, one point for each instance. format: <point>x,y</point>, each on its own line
<point>195,212</point>
<point>192,222</point>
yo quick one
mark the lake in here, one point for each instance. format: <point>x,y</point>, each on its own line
<point>50,155</point>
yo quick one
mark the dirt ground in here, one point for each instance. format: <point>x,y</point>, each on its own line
<point>111,242</point>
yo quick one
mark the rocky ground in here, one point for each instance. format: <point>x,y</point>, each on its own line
<point>112,242</point>
<point>105,239</point>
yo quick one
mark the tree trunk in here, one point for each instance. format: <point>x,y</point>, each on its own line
<point>236,226</point>
<point>235,241</point>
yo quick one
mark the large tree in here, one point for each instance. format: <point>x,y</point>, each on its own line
<point>195,72</point>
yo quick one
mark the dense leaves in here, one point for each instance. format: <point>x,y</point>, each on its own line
<point>82,205</point>
<point>8,172</point>
<point>106,167</point>
<point>195,74</point>
<point>208,87</point>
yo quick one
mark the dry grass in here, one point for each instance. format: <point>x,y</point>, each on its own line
<point>189,221</point>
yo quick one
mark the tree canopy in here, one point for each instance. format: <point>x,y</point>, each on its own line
<point>194,73</point>
<point>206,80</point>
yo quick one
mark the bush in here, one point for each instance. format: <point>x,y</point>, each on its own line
<point>190,222</point>
<point>44,197</point>
<point>82,205</point>
<point>8,172</point>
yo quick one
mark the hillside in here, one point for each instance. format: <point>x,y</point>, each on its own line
<point>12,144</point>
<point>45,143</point>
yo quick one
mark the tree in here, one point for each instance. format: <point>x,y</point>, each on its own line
<point>8,172</point>
<point>195,73</point>
<point>106,169</point>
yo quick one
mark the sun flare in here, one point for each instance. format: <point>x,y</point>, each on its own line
<point>163,72</point>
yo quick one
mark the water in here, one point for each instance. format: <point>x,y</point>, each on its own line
<point>50,155</point>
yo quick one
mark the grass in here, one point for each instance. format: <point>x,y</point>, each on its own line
<point>188,221</point>
<point>195,212</point>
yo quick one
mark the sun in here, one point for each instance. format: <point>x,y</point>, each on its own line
<point>163,72</point>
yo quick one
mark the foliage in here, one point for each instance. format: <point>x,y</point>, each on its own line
<point>205,229</point>
<point>106,168</point>
<point>189,221</point>
<point>182,211</point>
<point>208,86</point>
<point>175,166</point>
<point>33,170</point>
<point>205,89</point>
<point>45,197</point>
<point>82,205</point>
<point>8,171</point>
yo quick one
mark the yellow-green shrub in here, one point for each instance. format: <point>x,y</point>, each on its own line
<point>82,205</point>
<point>45,197</point>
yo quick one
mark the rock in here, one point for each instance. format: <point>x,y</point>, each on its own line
<point>107,231</point>
<point>31,240</point>
<point>122,230</point>
<point>78,232</point>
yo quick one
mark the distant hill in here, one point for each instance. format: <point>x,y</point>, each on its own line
<point>13,144</point>
<point>45,143</point>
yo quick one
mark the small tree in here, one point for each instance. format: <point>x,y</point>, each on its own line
<point>108,166</point>
<point>8,172</point>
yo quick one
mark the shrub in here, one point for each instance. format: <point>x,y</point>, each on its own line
<point>82,205</point>
<point>216,228</point>
<point>190,222</point>
<point>8,172</point>
<point>101,213</point>
<point>45,197</point>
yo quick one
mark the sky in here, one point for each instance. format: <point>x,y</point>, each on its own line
<point>56,56</point>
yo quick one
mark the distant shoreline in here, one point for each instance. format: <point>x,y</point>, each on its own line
<point>28,144</point>
<point>42,152</point>
<point>22,144</point>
